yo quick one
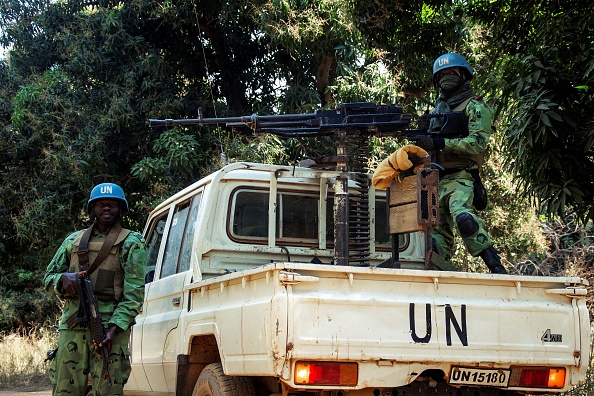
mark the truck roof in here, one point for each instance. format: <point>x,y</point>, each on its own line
<point>257,172</point>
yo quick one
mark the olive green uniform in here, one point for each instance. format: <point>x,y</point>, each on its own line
<point>118,284</point>
<point>456,190</point>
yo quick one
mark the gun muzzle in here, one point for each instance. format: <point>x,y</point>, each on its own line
<point>156,123</point>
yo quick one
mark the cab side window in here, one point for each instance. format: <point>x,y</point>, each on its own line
<point>153,244</point>
<point>178,250</point>
<point>186,248</point>
<point>174,240</point>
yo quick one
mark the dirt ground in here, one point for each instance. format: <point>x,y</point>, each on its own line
<point>31,386</point>
<point>19,392</point>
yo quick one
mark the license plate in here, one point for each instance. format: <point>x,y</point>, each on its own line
<point>477,376</point>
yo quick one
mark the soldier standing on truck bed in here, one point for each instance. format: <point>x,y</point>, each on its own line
<point>460,159</point>
<point>118,284</point>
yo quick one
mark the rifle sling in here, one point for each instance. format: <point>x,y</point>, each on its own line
<point>462,105</point>
<point>83,249</point>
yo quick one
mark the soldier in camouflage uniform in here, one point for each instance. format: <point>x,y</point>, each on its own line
<point>118,283</point>
<point>459,158</point>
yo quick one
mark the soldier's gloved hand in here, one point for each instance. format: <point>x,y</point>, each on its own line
<point>68,281</point>
<point>405,154</point>
<point>428,143</point>
<point>424,120</point>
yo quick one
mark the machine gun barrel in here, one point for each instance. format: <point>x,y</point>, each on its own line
<point>359,117</point>
<point>251,120</point>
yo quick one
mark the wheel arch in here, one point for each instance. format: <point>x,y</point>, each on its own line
<point>203,350</point>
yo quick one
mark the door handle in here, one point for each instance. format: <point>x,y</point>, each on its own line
<point>176,300</point>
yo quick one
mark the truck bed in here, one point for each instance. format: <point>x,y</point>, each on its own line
<point>395,324</point>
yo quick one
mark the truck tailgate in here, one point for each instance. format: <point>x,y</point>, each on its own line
<point>386,315</point>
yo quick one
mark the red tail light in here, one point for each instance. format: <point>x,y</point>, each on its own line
<point>326,373</point>
<point>538,377</point>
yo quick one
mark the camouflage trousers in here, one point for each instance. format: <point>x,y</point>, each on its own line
<point>456,193</point>
<point>76,359</point>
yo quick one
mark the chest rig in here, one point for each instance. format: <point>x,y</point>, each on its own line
<point>100,257</point>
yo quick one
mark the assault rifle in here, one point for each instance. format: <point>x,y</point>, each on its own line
<point>89,314</point>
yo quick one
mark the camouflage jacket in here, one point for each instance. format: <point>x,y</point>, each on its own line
<point>468,152</point>
<point>133,257</point>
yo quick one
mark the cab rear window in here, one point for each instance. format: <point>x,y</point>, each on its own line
<point>297,220</point>
<point>297,216</point>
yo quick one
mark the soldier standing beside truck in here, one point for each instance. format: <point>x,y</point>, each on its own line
<point>459,160</point>
<point>114,259</point>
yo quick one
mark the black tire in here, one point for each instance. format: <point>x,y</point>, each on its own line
<point>213,382</point>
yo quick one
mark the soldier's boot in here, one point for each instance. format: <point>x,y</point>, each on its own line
<point>435,248</point>
<point>491,258</point>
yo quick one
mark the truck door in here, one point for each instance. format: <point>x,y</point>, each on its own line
<point>164,298</point>
<point>154,236</point>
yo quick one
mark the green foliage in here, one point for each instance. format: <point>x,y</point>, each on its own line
<point>511,219</point>
<point>82,79</point>
<point>180,158</point>
<point>22,301</point>
<point>409,35</point>
<point>551,139</point>
<point>299,25</point>
<point>178,162</point>
<point>321,34</point>
<point>543,81</point>
<point>371,83</point>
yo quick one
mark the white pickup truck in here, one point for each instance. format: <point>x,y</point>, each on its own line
<point>243,298</point>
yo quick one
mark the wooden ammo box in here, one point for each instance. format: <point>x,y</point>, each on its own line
<point>413,202</point>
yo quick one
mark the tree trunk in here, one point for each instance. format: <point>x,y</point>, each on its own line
<point>325,68</point>
<point>232,88</point>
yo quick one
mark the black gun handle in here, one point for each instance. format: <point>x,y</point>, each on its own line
<point>105,356</point>
<point>95,323</point>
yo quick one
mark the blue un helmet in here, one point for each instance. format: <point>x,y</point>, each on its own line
<point>448,60</point>
<point>108,191</point>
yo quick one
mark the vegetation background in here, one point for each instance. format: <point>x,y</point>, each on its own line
<point>80,79</point>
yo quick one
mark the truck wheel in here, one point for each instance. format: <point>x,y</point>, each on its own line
<point>213,382</point>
